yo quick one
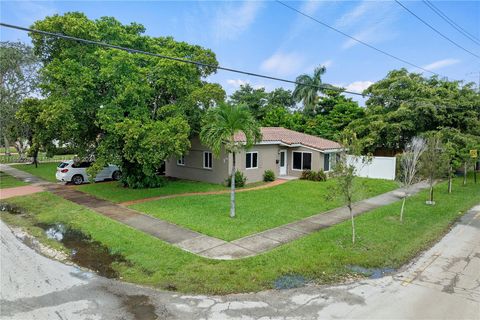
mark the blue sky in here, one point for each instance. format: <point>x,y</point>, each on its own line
<point>266,37</point>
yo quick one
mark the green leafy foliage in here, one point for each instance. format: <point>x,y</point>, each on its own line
<point>313,175</point>
<point>19,79</point>
<point>240,180</point>
<point>121,108</point>
<point>404,105</point>
<point>268,176</point>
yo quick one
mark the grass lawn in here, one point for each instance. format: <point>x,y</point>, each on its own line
<point>256,210</point>
<point>322,257</point>
<point>7,181</point>
<point>114,192</point>
<point>46,170</point>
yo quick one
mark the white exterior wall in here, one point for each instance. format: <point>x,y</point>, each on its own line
<point>379,168</point>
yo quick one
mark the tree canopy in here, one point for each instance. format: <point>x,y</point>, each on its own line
<point>124,108</point>
<point>406,104</point>
<point>19,78</point>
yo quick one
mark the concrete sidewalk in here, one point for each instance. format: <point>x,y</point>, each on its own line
<point>19,191</point>
<point>211,247</point>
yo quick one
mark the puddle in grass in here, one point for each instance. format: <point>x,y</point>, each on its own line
<point>372,273</point>
<point>290,281</point>
<point>84,252</point>
<point>6,207</point>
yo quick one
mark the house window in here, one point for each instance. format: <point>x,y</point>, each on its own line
<point>251,160</point>
<point>181,161</point>
<point>207,160</point>
<point>302,160</point>
<point>326,162</point>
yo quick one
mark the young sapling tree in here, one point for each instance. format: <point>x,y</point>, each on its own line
<point>409,167</point>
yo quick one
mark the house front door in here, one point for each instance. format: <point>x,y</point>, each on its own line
<point>283,163</point>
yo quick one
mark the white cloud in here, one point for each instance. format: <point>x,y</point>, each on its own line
<point>283,64</point>
<point>358,86</point>
<point>369,21</point>
<point>236,83</point>
<point>311,6</point>
<point>441,64</point>
<point>364,35</point>
<point>232,20</point>
<point>355,15</point>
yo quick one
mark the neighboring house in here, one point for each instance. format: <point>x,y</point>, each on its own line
<point>285,152</point>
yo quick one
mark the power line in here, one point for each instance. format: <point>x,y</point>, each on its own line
<point>355,39</point>
<point>435,30</point>
<point>197,63</point>
<point>451,22</point>
<point>111,46</point>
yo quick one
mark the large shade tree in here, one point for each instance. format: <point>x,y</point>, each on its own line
<point>18,80</point>
<point>123,108</point>
<point>404,105</point>
<point>220,126</point>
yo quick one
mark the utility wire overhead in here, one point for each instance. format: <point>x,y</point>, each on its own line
<point>435,30</point>
<point>355,39</point>
<point>451,22</point>
<point>198,63</point>
<point>111,46</point>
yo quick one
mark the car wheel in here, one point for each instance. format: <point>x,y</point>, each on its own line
<point>116,175</point>
<point>77,179</point>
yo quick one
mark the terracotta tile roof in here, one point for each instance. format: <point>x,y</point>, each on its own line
<point>290,137</point>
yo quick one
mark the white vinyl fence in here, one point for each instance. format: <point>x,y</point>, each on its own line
<point>379,167</point>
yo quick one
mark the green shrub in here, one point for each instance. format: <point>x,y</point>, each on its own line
<point>313,175</point>
<point>134,177</point>
<point>268,175</point>
<point>240,179</point>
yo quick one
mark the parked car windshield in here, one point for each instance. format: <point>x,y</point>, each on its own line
<point>63,165</point>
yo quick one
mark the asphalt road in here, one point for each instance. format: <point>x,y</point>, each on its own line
<point>443,283</point>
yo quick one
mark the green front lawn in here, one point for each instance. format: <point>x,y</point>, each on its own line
<point>7,181</point>
<point>45,171</point>
<point>322,257</point>
<point>114,192</point>
<point>256,210</point>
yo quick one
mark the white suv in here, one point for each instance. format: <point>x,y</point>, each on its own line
<point>70,171</point>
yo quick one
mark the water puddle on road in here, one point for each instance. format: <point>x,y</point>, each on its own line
<point>372,273</point>
<point>84,252</point>
<point>140,307</point>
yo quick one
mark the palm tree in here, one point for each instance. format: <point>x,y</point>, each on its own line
<point>307,91</point>
<point>220,125</point>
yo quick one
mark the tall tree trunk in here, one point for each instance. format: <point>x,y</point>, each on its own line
<point>465,173</point>
<point>353,223</point>
<point>35,157</point>
<point>7,146</point>
<point>232,188</point>
<point>450,179</point>
<point>431,194</point>
<point>403,207</point>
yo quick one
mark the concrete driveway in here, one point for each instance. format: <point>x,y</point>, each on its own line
<point>444,283</point>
